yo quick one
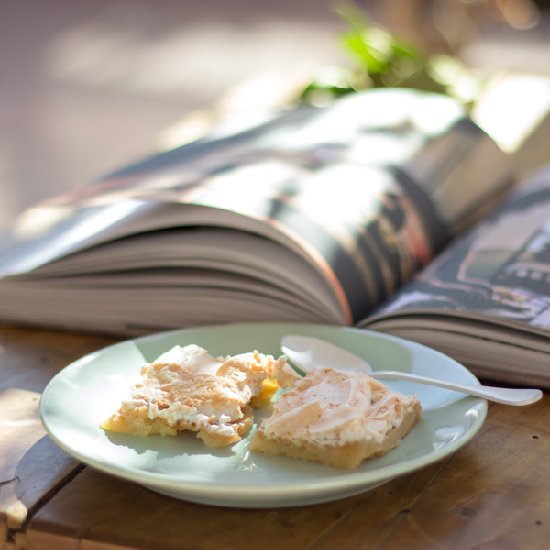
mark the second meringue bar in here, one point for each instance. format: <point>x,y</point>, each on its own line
<point>337,418</point>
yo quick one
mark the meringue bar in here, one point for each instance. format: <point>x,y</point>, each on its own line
<point>337,418</point>
<point>188,389</point>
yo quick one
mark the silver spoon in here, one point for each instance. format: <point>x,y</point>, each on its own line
<point>309,353</point>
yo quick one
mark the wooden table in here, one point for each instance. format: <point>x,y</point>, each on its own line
<point>493,493</point>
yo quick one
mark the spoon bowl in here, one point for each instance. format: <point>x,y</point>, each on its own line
<point>309,353</point>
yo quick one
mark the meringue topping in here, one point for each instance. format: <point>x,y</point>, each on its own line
<point>337,407</point>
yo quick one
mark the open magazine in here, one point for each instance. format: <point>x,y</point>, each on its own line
<point>312,214</point>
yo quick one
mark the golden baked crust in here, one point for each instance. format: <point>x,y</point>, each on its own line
<point>337,418</point>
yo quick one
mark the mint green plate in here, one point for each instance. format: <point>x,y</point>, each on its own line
<point>84,394</point>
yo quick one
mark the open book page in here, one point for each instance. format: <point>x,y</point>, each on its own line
<point>490,289</point>
<point>354,197</point>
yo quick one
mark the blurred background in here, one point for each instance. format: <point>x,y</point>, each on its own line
<point>88,86</point>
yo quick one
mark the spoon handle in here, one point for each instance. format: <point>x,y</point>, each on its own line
<point>506,396</point>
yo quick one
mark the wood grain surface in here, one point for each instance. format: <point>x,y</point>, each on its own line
<point>492,493</point>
